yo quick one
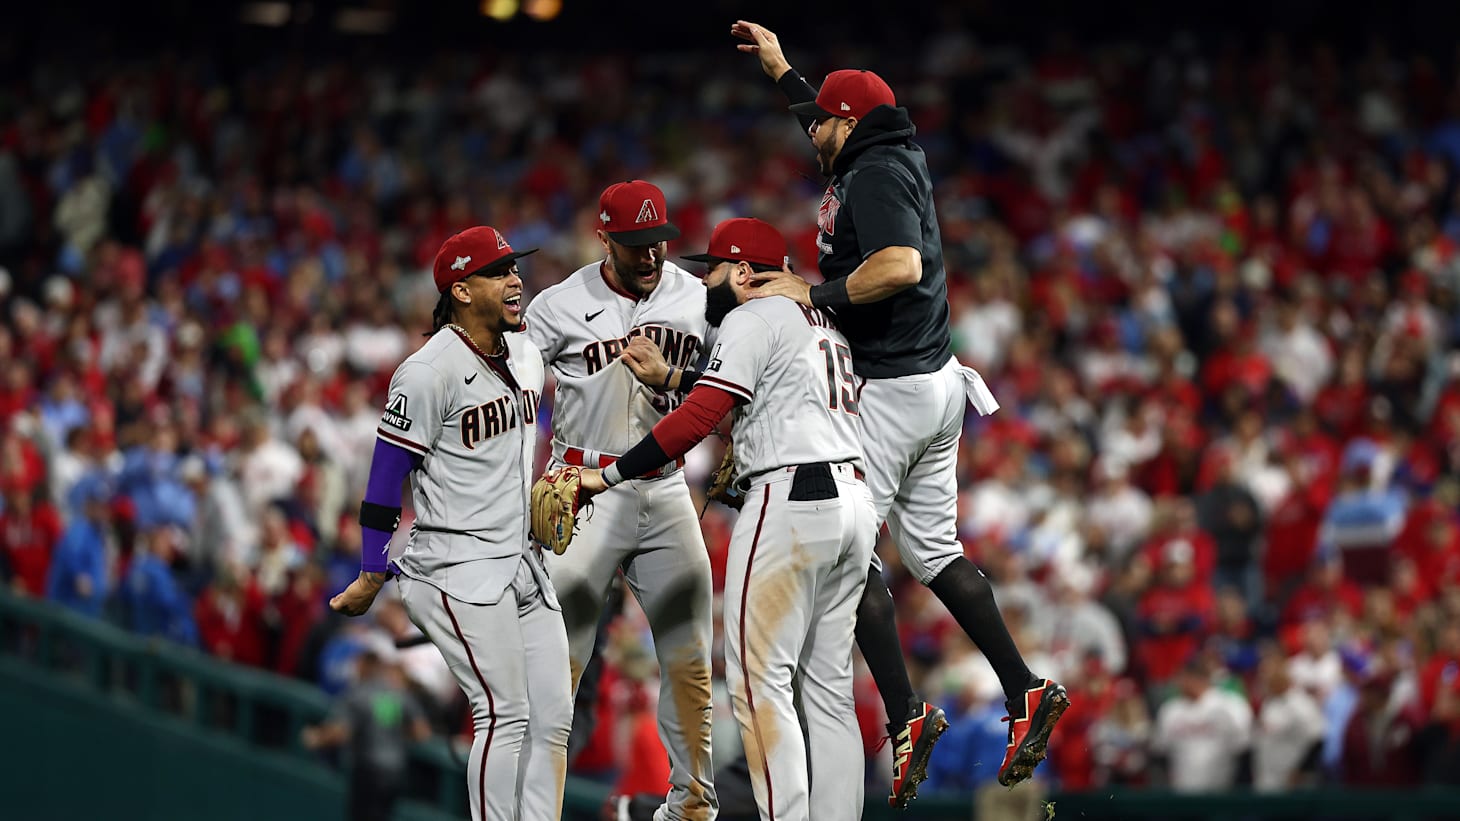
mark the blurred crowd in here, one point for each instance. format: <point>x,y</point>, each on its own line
<point>1212,285</point>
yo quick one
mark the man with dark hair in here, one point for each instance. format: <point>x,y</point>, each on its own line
<point>882,258</point>
<point>795,568</point>
<point>461,423</point>
<point>647,530</point>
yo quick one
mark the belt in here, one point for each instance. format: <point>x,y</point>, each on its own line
<point>594,459</point>
<point>790,470</point>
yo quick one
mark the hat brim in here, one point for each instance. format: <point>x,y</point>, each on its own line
<point>646,236</point>
<point>705,258</point>
<point>502,261</point>
<point>810,109</point>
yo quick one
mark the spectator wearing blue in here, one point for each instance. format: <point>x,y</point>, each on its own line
<point>156,603</point>
<point>1366,514</point>
<point>970,751</point>
<point>150,475</point>
<point>78,574</point>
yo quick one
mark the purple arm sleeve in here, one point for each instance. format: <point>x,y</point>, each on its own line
<point>389,467</point>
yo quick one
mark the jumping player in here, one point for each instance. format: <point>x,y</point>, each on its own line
<point>648,526</point>
<point>460,422</point>
<point>801,545</point>
<point>881,255</point>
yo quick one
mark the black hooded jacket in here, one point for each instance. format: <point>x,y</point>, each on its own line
<point>881,196</point>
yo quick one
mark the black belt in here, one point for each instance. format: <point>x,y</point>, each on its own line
<point>811,482</point>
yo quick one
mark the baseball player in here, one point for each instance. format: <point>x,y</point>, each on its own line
<point>881,255</point>
<point>460,422</point>
<point>801,545</point>
<point>647,527</point>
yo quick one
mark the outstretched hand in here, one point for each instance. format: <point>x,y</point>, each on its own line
<point>780,283</point>
<point>763,43</point>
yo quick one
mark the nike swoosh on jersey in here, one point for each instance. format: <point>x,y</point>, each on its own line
<point>594,315</point>
<point>470,378</point>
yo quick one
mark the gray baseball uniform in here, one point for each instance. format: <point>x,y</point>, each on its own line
<point>646,527</point>
<point>470,578</point>
<point>798,556</point>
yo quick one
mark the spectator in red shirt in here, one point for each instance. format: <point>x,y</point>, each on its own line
<point>229,614</point>
<point>1174,615</point>
<point>1325,592</point>
<point>28,536</point>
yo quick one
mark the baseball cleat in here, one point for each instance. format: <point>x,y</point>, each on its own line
<point>1030,723</point>
<point>912,747</point>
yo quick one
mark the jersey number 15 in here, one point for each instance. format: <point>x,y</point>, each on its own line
<point>839,375</point>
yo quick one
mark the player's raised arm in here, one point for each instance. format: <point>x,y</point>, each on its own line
<point>764,44</point>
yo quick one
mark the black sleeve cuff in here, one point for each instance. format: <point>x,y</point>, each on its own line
<point>642,458</point>
<point>830,294</point>
<point>687,379</point>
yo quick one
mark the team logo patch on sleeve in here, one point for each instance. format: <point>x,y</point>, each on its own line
<point>395,413</point>
<point>714,364</point>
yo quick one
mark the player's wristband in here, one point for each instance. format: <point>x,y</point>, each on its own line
<point>687,379</point>
<point>830,294</point>
<point>611,475</point>
<point>668,377</point>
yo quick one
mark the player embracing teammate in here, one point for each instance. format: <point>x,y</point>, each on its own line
<point>881,255</point>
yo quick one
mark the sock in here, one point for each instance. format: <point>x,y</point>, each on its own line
<point>880,646</point>
<point>970,598</point>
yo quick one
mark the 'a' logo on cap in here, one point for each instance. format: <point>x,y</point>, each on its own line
<point>460,263</point>
<point>501,240</point>
<point>647,213</point>
<point>846,107</point>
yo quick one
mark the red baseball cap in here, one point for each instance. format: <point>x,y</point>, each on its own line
<point>471,252</point>
<point>851,92</point>
<point>747,240</point>
<point>633,213</point>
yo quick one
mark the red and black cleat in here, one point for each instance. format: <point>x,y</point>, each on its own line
<point>1030,723</point>
<point>912,747</point>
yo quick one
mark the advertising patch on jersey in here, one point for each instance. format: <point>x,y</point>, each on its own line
<point>395,413</point>
<point>714,364</point>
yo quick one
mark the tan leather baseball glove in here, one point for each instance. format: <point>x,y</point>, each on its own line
<point>555,503</point>
<point>722,484</point>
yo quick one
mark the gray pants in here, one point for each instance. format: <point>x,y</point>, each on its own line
<point>511,660</point>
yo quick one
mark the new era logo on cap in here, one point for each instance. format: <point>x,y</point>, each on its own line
<point>745,240</point>
<point>634,213</point>
<point>472,251</point>
<point>848,93</point>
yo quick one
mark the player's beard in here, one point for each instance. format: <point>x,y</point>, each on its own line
<point>629,269</point>
<point>719,301</point>
<point>826,157</point>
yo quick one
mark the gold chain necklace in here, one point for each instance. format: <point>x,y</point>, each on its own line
<point>473,342</point>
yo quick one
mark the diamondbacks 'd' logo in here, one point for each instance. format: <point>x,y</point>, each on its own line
<point>647,213</point>
<point>826,214</point>
<point>395,413</point>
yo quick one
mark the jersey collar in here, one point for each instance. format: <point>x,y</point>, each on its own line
<point>603,273</point>
<point>498,364</point>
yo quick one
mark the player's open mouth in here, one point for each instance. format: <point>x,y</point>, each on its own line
<point>648,275</point>
<point>513,303</point>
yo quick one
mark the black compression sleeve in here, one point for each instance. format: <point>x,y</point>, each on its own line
<point>797,90</point>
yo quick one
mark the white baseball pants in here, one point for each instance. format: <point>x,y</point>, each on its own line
<point>910,430</point>
<point>511,659</point>
<point>649,528</point>
<point>795,575</point>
